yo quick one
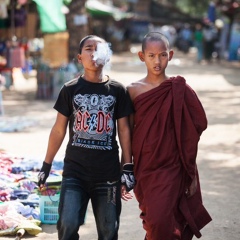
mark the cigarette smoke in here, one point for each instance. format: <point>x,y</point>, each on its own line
<point>103,54</point>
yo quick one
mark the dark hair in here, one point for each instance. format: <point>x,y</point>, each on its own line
<point>154,36</point>
<point>84,40</point>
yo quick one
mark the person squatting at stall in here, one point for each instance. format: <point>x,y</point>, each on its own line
<point>93,105</point>
<point>167,124</point>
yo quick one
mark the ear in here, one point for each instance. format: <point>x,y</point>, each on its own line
<point>79,58</point>
<point>171,52</point>
<point>141,56</point>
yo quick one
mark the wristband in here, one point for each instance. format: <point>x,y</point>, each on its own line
<point>127,178</point>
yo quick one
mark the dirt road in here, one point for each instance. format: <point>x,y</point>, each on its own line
<point>218,87</point>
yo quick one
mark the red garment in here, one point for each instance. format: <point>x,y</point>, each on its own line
<point>169,120</point>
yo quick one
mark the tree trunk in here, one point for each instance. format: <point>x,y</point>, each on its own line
<point>76,32</point>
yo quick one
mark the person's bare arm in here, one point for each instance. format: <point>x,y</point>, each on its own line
<point>131,123</point>
<point>56,137</point>
<point>55,140</point>
<point>124,135</point>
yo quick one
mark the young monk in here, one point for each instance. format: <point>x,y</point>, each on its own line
<point>167,125</point>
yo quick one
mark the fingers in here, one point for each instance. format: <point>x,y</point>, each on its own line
<point>125,195</point>
<point>42,186</point>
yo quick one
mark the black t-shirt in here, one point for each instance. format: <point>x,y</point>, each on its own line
<point>93,108</point>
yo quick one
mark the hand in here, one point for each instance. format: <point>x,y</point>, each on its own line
<point>192,189</point>
<point>127,178</point>
<point>43,174</point>
<point>125,195</point>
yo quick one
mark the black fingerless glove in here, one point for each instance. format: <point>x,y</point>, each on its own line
<point>44,173</point>
<point>127,178</point>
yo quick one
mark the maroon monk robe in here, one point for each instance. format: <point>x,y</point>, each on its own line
<point>169,120</point>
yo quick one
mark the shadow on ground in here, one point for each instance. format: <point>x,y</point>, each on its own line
<point>220,198</point>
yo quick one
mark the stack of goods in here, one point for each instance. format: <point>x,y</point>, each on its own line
<point>21,200</point>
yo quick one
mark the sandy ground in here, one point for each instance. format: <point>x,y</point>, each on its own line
<point>218,87</point>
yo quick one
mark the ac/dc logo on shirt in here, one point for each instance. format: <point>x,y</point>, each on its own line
<point>93,121</point>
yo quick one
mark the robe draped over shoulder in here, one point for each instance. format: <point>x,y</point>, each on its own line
<point>168,123</point>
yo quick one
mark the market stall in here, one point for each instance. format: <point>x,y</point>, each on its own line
<point>23,207</point>
<point>17,27</point>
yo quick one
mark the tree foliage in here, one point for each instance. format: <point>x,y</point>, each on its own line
<point>194,8</point>
<point>199,8</point>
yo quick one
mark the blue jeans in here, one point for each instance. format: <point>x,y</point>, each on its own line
<point>106,203</point>
<point>199,46</point>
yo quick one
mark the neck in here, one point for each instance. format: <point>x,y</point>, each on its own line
<point>95,78</point>
<point>155,80</point>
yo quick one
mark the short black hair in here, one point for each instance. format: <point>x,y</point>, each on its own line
<point>85,39</point>
<point>154,36</point>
